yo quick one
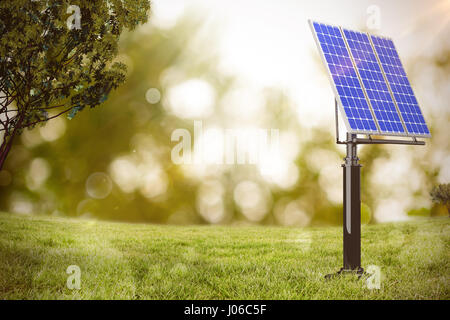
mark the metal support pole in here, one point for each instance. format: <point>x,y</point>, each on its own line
<point>352,207</point>
<point>352,211</point>
<point>352,197</point>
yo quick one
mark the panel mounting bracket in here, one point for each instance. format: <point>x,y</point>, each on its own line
<point>369,139</point>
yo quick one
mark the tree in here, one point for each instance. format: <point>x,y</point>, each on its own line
<point>57,57</point>
<point>441,194</point>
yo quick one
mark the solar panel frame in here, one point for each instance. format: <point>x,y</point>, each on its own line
<point>380,97</point>
<point>362,85</point>
<point>401,65</point>
<point>333,84</point>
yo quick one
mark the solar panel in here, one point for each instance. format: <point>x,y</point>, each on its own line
<point>374,83</point>
<point>346,84</point>
<point>400,87</point>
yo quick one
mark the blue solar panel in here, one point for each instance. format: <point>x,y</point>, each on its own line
<point>400,86</point>
<point>374,83</point>
<point>345,79</point>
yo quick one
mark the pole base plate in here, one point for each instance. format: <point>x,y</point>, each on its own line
<point>342,272</point>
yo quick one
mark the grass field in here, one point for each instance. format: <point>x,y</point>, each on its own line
<point>138,261</point>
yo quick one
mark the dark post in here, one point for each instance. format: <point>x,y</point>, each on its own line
<point>352,208</point>
<point>352,197</point>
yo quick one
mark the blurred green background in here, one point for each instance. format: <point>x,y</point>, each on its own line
<point>244,64</point>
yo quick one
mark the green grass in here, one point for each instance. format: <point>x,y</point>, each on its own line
<point>138,261</point>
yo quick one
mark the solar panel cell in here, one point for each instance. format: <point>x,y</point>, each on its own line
<point>400,86</point>
<point>345,79</point>
<point>374,84</point>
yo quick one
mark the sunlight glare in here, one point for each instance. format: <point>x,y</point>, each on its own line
<point>191,99</point>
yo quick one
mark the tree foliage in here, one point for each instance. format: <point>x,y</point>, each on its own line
<point>441,194</point>
<point>57,57</point>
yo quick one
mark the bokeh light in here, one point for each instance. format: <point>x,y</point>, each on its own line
<point>53,129</point>
<point>38,172</point>
<point>252,200</point>
<point>210,201</point>
<point>20,203</point>
<point>291,213</point>
<point>153,95</point>
<point>125,174</point>
<point>98,185</point>
<point>154,181</point>
<point>191,99</point>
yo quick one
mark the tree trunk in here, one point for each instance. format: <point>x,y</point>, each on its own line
<point>8,140</point>
<point>4,149</point>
